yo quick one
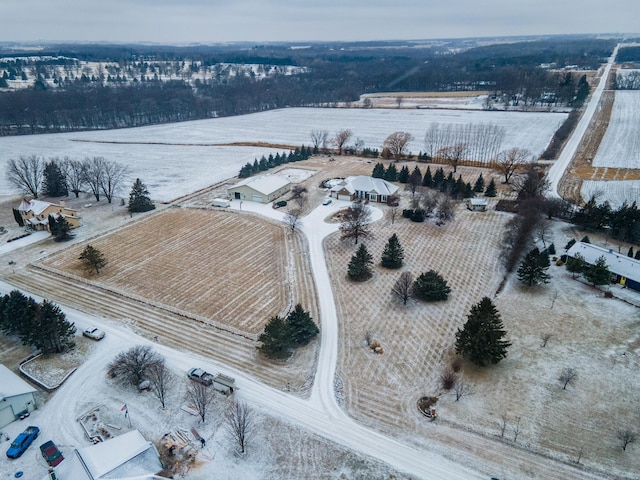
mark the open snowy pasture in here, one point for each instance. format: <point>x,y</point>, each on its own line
<point>179,158</point>
<point>620,147</point>
<point>616,192</point>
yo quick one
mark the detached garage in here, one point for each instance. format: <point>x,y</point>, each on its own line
<point>16,396</point>
<point>262,189</point>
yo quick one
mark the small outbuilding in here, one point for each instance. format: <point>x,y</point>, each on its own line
<point>262,189</point>
<point>624,270</point>
<point>16,396</point>
<point>477,204</point>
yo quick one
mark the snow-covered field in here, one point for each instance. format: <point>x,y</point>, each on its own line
<point>613,191</point>
<point>620,147</point>
<point>190,161</point>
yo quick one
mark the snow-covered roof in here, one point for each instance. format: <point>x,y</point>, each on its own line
<point>265,184</point>
<point>11,385</point>
<point>478,201</point>
<point>38,206</point>
<point>127,456</point>
<point>617,263</point>
<point>363,183</point>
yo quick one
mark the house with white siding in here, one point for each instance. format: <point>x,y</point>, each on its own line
<point>364,188</point>
<point>16,396</point>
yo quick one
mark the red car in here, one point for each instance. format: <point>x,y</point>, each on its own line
<point>51,453</point>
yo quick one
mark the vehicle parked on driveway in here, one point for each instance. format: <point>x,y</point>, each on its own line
<point>220,382</point>
<point>22,442</point>
<point>93,333</point>
<point>328,201</point>
<point>51,454</point>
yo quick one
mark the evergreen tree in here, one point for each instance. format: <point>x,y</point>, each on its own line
<point>481,339</point>
<point>50,331</point>
<point>378,171</point>
<point>60,229</point>
<point>491,190</point>
<point>479,185</point>
<point>360,265</point>
<point>598,274</point>
<point>54,182</point>
<point>630,252</point>
<point>93,259</point>
<point>533,269</point>
<point>438,178</point>
<point>18,312</point>
<point>468,191</point>
<point>431,287</point>
<point>570,244</point>
<point>391,174</point>
<point>637,256</point>
<point>18,217</point>
<point>139,200</point>
<point>393,253</point>
<point>403,176</point>
<point>276,340</point>
<point>301,327</point>
<point>427,181</point>
<point>575,265</point>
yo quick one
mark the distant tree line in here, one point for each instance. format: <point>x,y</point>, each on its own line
<point>41,325</point>
<point>326,76</point>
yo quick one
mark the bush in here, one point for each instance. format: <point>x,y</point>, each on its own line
<point>431,287</point>
<point>418,215</point>
<point>448,379</point>
<point>407,213</point>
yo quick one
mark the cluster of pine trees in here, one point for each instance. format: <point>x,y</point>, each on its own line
<point>265,163</point>
<point>281,336</point>
<point>42,325</point>
<point>622,223</point>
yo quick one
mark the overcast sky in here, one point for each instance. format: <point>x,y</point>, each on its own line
<point>214,21</point>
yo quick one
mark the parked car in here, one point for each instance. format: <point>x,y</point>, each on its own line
<point>327,201</point>
<point>51,454</point>
<point>200,376</point>
<point>220,382</point>
<point>22,442</point>
<point>94,333</point>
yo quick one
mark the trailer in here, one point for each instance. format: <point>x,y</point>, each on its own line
<point>220,382</point>
<point>221,202</point>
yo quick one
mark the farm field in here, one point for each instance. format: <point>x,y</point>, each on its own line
<point>620,147</point>
<point>177,159</point>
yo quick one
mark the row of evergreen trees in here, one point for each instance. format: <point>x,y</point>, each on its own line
<point>281,336</point>
<point>265,163</point>
<point>622,223</point>
<point>438,181</point>
<point>42,325</point>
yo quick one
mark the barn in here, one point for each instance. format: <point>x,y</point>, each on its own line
<point>263,189</point>
<point>625,270</point>
<point>16,396</point>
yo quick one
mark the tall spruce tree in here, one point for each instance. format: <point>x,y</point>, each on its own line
<point>598,273</point>
<point>378,171</point>
<point>431,287</point>
<point>491,190</point>
<point>275,340</point>
<point>533,269</point>
<point>478,187</point>
<point>360,265</point>
<point>92,258</point>
<point>60,229</point>
<point>393,253</point>
<point>301,327</point>
<point>427,180</point>
<point>391,174</point>
<point>139,200</point>
<point>403,176</point>
<point>54,182</point>
<point>481,339</point>
<point>50,331</point>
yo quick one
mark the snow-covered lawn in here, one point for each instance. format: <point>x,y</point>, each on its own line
<point>177,159</point>
<point>620,146</point>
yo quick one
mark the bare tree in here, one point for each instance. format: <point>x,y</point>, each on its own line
<point>132,366</point>
<point>567,377</point>
<point>461,388</point>
<point>543,231</point>
<point>200,397</point>
<point>93,171</point>
<point>545,338</point>
<point>554,297</point>
<point>240,423</point>
<point>503,423</point>
<point>446,210</point>
<point>393,214</point>
<point>448,379</point>
<point>429,201</point>
<point>299,194</point>
<point>397,143</point>
<point>341,138</point>
<point>403,286</point>
<point>26,173</point>
<point>74,174</point>
<point>113,174</point>
<point>292,219</point>
<point>159,377</point>
<point>414,181</point>
<point>356,220</point>
<point>516,429</point>
<point>509,162</point>
<point>625,437</point>
<point>453,154</point>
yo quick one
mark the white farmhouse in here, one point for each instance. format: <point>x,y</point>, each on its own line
<point>16,396</point>
<point>365,188</point>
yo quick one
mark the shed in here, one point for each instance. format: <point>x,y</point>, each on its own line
<point>16,396</point>
<point>477,204</point>
<point>263,189</point>
<point>625,270</point>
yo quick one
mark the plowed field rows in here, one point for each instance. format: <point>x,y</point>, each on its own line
<point>217,265</point>
<point>382,389</point>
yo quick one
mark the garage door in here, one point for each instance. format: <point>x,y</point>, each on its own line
<point>344,197</point>
<point>256,198</point>
<point>6,416</point>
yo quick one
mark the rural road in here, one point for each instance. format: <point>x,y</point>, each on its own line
<point>568,152</point>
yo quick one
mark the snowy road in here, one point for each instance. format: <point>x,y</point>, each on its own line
<point>564,159</point>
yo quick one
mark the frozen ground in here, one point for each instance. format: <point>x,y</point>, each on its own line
<point>176,159</point>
